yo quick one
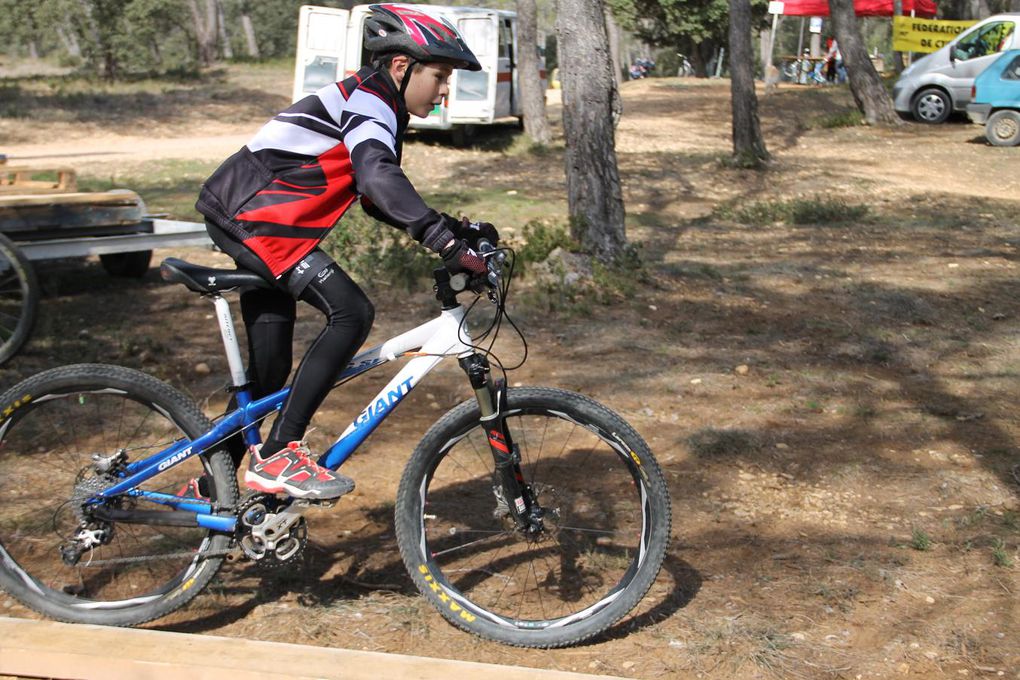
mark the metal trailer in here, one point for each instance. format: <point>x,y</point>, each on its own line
<point>48,219</point>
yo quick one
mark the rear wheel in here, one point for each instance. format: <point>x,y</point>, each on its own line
<point>932,106</point>
<point>1003,128</point>
<point>605,525</point>
<point>53,425</point>
<point>19,298</point>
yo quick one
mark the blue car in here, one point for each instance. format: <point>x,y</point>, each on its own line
<point>995,100</point>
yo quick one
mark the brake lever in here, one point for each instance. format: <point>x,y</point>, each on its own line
<point>494,261</point>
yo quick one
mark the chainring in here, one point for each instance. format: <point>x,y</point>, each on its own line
<point>252,511</point>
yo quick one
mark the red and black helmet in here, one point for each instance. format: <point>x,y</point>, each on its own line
<point>404,29</point>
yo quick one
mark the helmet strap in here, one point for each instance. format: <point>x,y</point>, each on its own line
<point>406,80</point>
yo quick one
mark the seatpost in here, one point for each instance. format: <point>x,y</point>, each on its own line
<point>233,350</point>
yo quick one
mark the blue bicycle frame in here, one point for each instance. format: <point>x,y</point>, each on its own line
<point>428,344</point>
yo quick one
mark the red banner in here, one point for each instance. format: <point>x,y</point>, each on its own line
<point>864,8</point>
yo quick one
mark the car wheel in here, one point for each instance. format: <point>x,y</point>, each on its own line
<point>932,106</point>
<point>1003,128</point>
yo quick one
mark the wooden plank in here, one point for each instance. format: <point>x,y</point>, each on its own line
<point>59,215</point>
<point>45,649</point>
<point>16,178</point>
<point>122,197</point>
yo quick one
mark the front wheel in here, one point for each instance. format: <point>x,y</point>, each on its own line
<point>605,528</point>
<point>932,106</point>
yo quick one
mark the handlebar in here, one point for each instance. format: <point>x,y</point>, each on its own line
<point>493,259</point>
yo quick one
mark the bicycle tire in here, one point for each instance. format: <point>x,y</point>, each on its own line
<point>432,514</point>
<point>19,299</point>
<point>50,425</point>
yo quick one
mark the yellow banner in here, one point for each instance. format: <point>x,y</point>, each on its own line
<point>925,35</point>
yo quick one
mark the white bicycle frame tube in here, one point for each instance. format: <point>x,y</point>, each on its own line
<point>429,343</point>
<point>230,345</point>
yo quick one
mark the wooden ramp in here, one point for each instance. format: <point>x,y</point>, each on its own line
<point>44,649</point>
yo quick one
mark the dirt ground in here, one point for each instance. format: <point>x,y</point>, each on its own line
<point>831,400</point>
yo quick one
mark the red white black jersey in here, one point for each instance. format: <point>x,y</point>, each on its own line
<point>287,188</point>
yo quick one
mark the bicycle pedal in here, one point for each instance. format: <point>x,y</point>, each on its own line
<point>316,503</point>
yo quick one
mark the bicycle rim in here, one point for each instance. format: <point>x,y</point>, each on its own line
<point>46,470</point>
<point>597,523</point>
<point>18,299</point>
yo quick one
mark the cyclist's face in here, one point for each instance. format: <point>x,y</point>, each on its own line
<point>428,86</point>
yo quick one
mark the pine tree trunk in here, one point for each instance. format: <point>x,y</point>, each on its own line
<point>249,35</point>
<point>529,78</point>
<point>748,144</point>
<point>594,195</point>
<point>870,94</point>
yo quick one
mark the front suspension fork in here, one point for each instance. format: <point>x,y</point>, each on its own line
<point>520,498</point>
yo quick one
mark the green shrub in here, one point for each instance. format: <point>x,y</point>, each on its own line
<point>541,238</point>
<point>999,554</point>
<point>848,118</point>
<point>821,210</point>
<point>373,252</point>
<point>920,540</point>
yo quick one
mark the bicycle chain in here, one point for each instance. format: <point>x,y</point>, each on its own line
<point>144,558</point>
<point>269,562</point>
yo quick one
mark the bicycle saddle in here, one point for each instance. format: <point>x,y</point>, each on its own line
<point>207,279</point>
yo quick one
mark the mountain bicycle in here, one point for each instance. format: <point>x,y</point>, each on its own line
<point>528,515</point>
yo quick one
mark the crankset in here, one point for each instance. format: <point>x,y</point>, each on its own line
<point>271,531</point>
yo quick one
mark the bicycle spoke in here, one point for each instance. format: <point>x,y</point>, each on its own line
<point>468,544</point>
<point>589,544</point>
<point>49,447</point>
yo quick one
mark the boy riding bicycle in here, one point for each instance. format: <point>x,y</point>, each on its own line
<point>270,205</point>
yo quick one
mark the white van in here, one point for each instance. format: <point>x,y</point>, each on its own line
<point>329,49</point>
<point>936,85</point>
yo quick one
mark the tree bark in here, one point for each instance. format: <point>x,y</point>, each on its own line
<point>897,55</point>
<point>221,30</point>
<point>203,14</point>
<point>979,9</point>
<point>697,61</point>
<point>69,41</point>
<point>614,45</point>
<point>870,94</point>
<point>249,34</point>
<point>748,143</point>
<point>528,76</point>
<point>594,195</point>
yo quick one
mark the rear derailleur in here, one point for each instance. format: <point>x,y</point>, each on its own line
<point>91,532</point>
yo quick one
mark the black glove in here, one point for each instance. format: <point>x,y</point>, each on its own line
<point>473,232</point>
<point>458,257</point>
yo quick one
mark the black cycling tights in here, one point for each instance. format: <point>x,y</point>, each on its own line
<point>269,320</point>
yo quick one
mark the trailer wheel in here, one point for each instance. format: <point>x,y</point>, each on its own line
<point>19,298</point>
<point>463,135</point>
<point>131,265</point>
